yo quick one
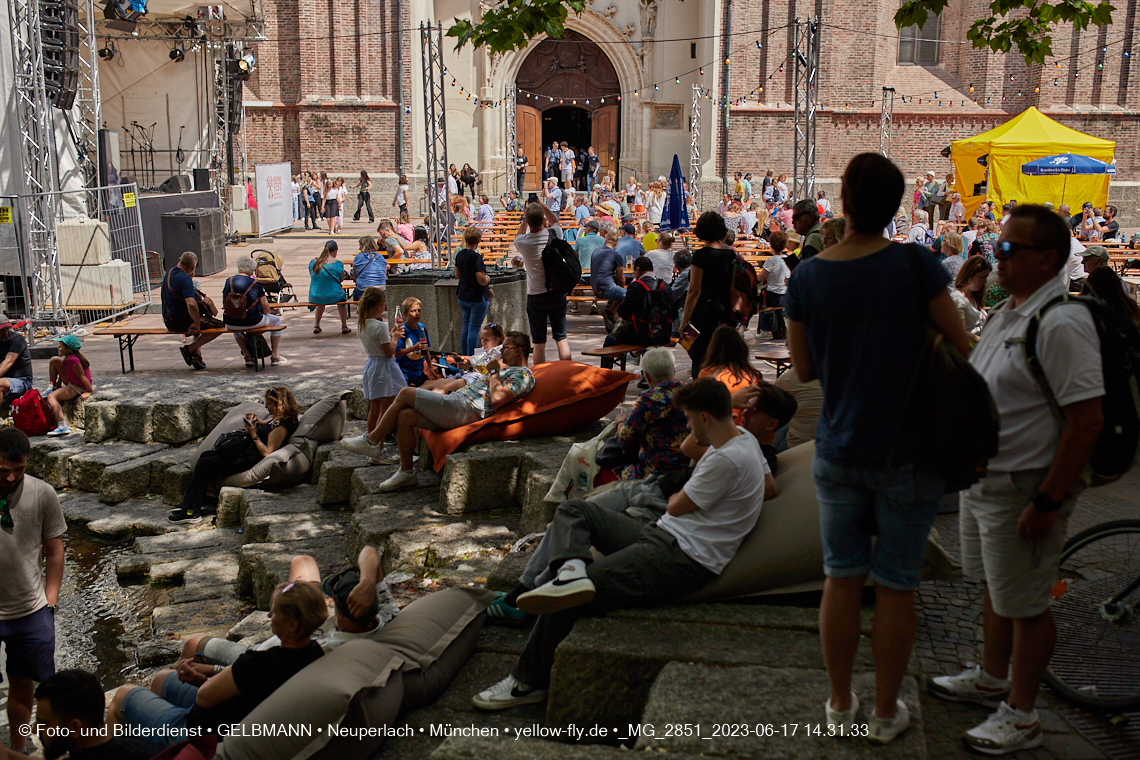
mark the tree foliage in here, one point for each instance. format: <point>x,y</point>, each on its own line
<point>1021,24</point>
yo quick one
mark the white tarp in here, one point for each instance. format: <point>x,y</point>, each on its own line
<point>143,85</point>
<point>274,194</point>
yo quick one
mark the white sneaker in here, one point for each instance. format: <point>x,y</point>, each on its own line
<point>971,685</point>
<point>401,479</point>
<point>279,361</point>
<point>1007,730</point>
<point>882,731</point>
<point>361,445</point>
<point>764,335</point>
<point>507,693</point>
<point>842,723</point>
<point>59,430</point>
<point>572,587</point>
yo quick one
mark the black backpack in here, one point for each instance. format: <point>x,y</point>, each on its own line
<point>1119,443</point>
<point>948,403</point>
<point>561,264</point>
<point>656,328</point>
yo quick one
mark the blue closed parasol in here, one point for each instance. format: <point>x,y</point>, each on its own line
<point>675,215</point>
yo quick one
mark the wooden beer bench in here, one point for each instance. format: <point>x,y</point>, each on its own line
<point>129,335</point>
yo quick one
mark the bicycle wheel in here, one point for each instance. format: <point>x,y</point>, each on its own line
<point>1095,664</point>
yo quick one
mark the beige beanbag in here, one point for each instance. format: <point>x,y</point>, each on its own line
<point>783,553</point>
<point>355,686</point>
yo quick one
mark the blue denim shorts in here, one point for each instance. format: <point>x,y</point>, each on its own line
<point>142,707</point>
<point>897,505</point>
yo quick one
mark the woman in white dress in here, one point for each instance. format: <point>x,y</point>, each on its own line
<point>970,291</point>
<point>654,202</point>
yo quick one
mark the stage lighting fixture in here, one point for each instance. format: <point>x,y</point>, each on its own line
<point>247,64</point>
<point>178,53</point>
<point>120,15</point>
<point>108,53</point>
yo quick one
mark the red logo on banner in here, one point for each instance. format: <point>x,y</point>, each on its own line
<point>275,188</point>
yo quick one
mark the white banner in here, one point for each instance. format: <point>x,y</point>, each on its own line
<point>274,195</point>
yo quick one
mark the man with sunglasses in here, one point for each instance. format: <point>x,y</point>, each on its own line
<point>1013,521</point>
<point>31,569</point>
<point>805,220</point>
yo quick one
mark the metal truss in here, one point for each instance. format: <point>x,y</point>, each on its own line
<point>695,146</point>
<point>89,103</point>
<point>246,30</point>
<point>886,120</point>
<point>807,101</point>
<point>219,125</point>
<point>435,132</point>
<point>37,151</point>
<point>512,139</point>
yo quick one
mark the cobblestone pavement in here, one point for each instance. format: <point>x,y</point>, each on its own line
<point>949,640</point>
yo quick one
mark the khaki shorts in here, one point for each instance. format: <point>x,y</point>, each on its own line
<point>1019,573</point>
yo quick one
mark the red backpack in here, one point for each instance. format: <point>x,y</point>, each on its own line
<point>31,413</point>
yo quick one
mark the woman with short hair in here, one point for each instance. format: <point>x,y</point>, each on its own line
<point>710,279</point>
<point>473,291</point>
<point>654,428</point>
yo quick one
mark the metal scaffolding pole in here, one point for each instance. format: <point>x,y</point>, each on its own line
<point>435,129</point>
<point>695,147</point>
<point>512,139</point>
<point>807,101</point>
<point>37,151</point>
<point>89,103</point>
<point>219,125</point>
<point>886,116</point>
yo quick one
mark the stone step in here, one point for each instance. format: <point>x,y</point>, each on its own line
<point>183,620</point>
<point>333,473</point>
<point>439,546</point>
<point>131,518</point>
<point>262,566</point>
<point>42,447</point>
<point>382,514</point>
<point>86,468</point>
<point>604,669</point>
<point>765,712</point>
<point>55,466</point>
<point>142,475</point>
<point>261,509</point>
<point>366,482</point>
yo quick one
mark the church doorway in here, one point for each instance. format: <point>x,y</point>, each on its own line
<point>567,91</point>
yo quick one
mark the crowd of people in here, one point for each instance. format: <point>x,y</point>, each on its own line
<point>699,457</point>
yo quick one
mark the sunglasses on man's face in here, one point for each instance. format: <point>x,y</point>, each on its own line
<point>1006,250</point>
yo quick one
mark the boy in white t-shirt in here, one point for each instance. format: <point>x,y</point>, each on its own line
<point>685,549</point>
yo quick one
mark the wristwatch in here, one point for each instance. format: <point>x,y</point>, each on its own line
<point>493,372</point>
<point>1042,503</point>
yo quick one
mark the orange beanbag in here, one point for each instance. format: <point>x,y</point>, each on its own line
<point>566,396</point>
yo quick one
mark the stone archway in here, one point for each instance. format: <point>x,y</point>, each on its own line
<point>592,26</point>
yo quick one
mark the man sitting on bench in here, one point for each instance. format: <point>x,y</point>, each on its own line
<point>418,408</point>
<point>646,312</point>
<point>183,307</point>
<point>642,564</point>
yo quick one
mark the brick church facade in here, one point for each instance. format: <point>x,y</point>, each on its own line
<point>341,88</point>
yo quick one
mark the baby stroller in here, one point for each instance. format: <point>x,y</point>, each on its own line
<point>267,269</point>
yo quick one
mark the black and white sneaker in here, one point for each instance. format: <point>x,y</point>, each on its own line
<point>507,693</point>
<point>571,588</point>
<point>182,516</point>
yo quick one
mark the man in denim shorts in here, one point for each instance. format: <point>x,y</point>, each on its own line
<point>1013,521</point>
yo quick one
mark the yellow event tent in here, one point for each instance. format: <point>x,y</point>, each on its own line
<point>1026,137</point>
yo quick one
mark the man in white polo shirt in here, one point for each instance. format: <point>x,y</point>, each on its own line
<point>1013,521</point>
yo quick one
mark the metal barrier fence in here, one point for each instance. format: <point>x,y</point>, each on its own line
<point>72,283</point>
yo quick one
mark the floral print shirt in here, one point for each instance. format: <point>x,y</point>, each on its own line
<point>655,429</point>
<point>519,380</point>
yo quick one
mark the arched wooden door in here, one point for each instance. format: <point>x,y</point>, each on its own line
<point>604,135</point>
<point>528,125</point>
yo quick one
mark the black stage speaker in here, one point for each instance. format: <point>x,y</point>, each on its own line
<point>179,183</point>
<point>202,180</point>
<point>195,229</point>
<point>59,36</point>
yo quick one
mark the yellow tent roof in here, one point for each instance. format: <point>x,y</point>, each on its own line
<point>1032,132</point>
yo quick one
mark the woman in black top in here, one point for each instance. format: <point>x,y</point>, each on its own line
<point>710,279</point>
<point>468,176</point>
<point>266,437</point>
<point>473,291</point>
<point>203,698</point>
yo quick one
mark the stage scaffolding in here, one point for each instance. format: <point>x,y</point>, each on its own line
<point>435,133</point>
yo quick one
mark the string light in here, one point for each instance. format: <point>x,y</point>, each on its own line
<point>677,80</point>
